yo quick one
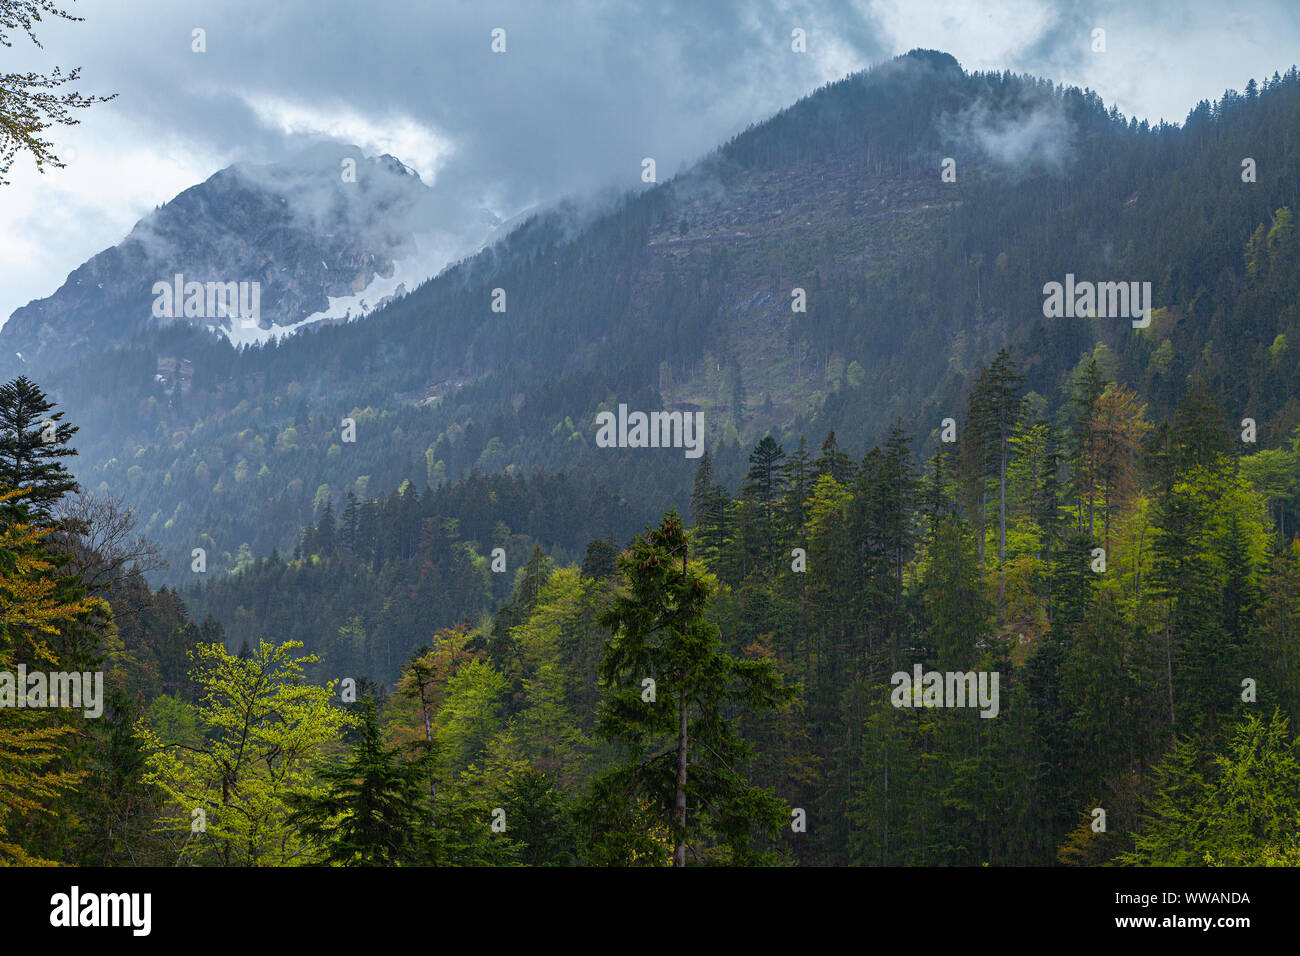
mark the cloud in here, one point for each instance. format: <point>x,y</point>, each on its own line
<point>1024,137</point>
<point>416,144</point>
<point>583,92</point>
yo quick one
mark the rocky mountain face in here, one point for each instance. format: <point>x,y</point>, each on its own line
<point>254,251</point>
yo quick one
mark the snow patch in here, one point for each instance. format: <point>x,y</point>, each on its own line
<point>433,252</point>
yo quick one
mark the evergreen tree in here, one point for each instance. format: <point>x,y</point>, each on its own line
<point>683,754</point>
<point>600,559</point>
<point>762,486</point>
<point>797,477</point>
<point>349,523</point>
<point>763,480</point>
<point>374,806</point>
<point>996,408</point>
<point>1080,441</point>
<point>834,461</point>
<point>709,509</point>
<point>33,443</point>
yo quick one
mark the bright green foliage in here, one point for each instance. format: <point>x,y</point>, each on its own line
<point>262,733</point>
<point>470,712</point>
<point>1240,807</point>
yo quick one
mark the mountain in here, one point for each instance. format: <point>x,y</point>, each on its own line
<point>683,296</point>
<point>965,413</point>
<point>326,235</point>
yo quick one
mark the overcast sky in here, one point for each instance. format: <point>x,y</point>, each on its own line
<point>582,93</point>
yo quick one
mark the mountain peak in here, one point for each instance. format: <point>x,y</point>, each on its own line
<point>326,234</point>
<point>934,59</point>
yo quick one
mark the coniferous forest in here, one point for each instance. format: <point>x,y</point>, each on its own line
<point>1134,584</point>
<point>951,579</point>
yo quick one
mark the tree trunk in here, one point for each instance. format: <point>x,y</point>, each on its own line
<point>1169,677</point>
<point>884,859</point>
<point>428,736</point>
<point>679,852</point>
<point>1002,519</point>
<point>1002,504</point>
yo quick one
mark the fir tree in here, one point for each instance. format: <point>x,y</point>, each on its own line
<point>374,806</point>
<point>33,443</point>
<point>683,753</point>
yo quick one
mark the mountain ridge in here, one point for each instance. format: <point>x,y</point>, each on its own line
<point>322,226</point>
<point>680,295</point>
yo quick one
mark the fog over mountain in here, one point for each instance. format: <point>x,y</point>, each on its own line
<point>573,105</point>
<point>329,234</point>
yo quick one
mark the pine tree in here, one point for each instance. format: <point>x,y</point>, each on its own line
<point>703,489</point>
<point>1080,449</point>
<point>1197,436</point>
<point>327,532</point>
<point>709,509</point>
<point>762,486</point>
<point>374,807</point>
<point>33,442</point>
<point>683,752</point>
<point>763,480</point>
<point>348,524</point>
<point>797,476</point>
<point>600,560</point>
<point>959,615</point>
<point>834,461</point>
<point>996,409</point>
<point>540,820</point>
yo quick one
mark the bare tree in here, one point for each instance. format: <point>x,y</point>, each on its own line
<point>99,533</point>
<point>31,103</point>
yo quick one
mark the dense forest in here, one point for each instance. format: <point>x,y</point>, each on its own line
<point>718,691</point>
<point>953,583</point>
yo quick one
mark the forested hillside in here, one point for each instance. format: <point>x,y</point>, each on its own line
<point>358,569</point>
<point>683,296</point>
<point>1131,587</point>
<point>953,582</point>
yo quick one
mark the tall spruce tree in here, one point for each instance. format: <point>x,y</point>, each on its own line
<point>374,806</point>
<point>763,486</point>
<point>834,461</point>
<point>33,443</point>
<point>996,408</point>
<point>709,509</point>
<point>797,477</point>
<point>682,754</point>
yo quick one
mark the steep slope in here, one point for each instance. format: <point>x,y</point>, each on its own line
<point>326,235</point>
<point>681,296</point>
